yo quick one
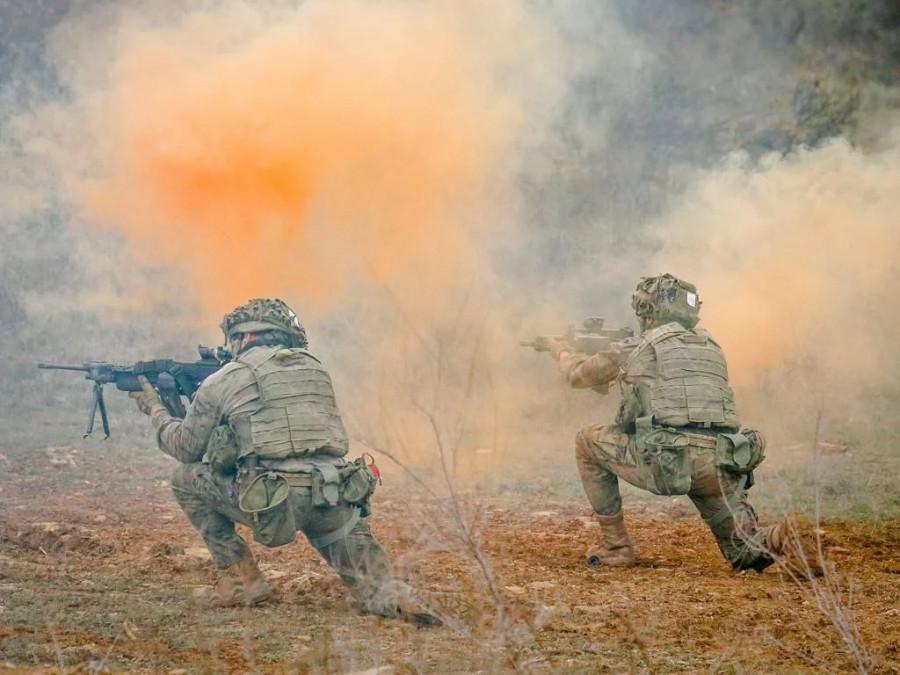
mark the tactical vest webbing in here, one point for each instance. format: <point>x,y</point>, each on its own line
<point>299,415</point>
<point>690,385</point>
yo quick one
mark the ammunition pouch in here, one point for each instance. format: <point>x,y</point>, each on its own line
<point>268,500</point>
<point>738,454</point>
<point>326,486</point>
<point>741,452</point>
<point>222,450</point>
<point>358,484</point>
<point>664,454</point>
<point>353,483</point>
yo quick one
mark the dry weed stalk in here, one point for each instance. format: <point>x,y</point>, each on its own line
<point>464,537</point>
<point>826,589</point>
<point>457,524</point>
<point>247,650</point>
<point>639,641</point>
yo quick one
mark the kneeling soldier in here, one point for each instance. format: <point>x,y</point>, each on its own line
<point>263,444</point>
<point>677,432</point>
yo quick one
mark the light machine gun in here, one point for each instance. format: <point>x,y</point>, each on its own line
<point>172,379</point>
<point>591,338</point>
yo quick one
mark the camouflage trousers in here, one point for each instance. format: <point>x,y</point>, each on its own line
<point>210,501</point>
<point>604,454</point>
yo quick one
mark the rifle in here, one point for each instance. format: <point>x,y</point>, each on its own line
<point>591,338</point>
<point>172,379</point>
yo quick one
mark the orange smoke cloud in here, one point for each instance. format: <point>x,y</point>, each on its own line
<point>290,152</point>
<point>797,259</point>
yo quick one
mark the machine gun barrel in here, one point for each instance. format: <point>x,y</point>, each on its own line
<point>63,366</point>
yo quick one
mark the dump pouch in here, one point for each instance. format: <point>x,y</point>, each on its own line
<point>268,501</point>
<point>326,486</point>
<point>664,453</point>
<point>741,452</point>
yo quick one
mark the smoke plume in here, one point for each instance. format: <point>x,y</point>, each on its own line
<point>796,264</point>
<point>291,151</point>
<point>429,181</point>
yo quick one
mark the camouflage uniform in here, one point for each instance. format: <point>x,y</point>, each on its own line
<point>210,498</point>
<point>263,444</point>
<point>605,453</point>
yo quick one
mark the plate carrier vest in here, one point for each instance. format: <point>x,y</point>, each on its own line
<point>299,415</point>
<point>690,385</point>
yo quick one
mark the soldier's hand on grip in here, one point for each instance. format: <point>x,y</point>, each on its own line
<point>557,347</point>
<point>616,354</point>
<point>147,398</point>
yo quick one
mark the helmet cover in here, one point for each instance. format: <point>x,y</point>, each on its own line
<point>667,298</point>
<point>262,314</point>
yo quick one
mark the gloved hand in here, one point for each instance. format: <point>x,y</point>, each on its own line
<point>616,355</point>
<point>146,398</point>
<point>556,347</point>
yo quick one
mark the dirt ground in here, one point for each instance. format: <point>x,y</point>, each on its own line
<point>97,566</point>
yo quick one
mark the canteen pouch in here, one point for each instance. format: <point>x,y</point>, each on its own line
<point>664,453</point>
<point>326,486</point>
<point>358,484</point>
<point>267,499</point>
<point>741,452</point>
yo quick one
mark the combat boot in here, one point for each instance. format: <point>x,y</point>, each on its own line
<point>398,601</point>
<point>795,543</point>
<point>242,584</point>
<point>416,612</point>
<point>617,551</point>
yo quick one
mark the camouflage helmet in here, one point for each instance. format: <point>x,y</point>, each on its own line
<point>261,314</point>
<point>667,298</point>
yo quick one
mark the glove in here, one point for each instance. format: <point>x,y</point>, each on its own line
<point>146,398</point>
<point>616,355</point>
<point>557,347</point>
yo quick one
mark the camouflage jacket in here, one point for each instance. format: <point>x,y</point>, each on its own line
<point>599,370</point>
<point>230,396</point>
<point>699,393</point>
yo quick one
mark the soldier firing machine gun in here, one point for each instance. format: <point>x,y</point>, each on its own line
<point>591,338</point>
<point>172,379</point>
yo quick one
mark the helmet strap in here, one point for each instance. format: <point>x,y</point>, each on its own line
<point>266,339</point>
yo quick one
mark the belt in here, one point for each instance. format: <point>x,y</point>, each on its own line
<point>701,440</point>
<point>297,479</point>
<point>292,479</point>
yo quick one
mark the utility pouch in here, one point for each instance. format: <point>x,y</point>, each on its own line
<point>358,484</point>
<point>664,453</point>
<point>630,409</point>
<point>268,500</point>
<point>326,486</point>
<point>741,452</point>
<point>222,450</point>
